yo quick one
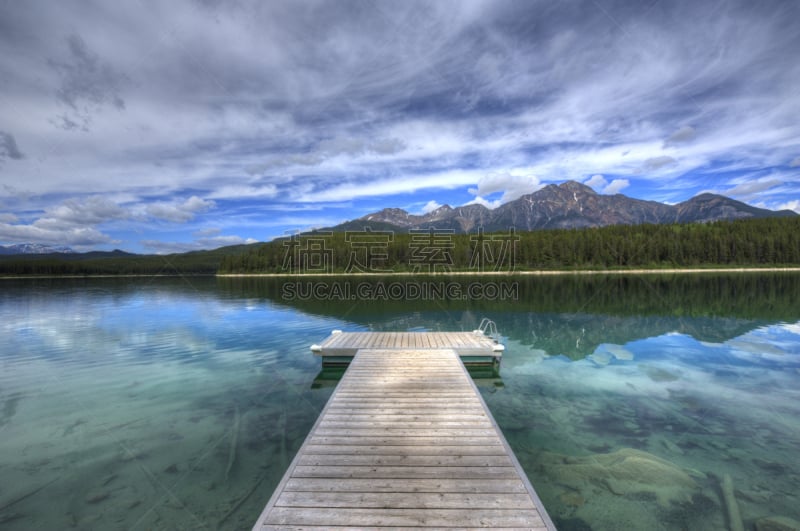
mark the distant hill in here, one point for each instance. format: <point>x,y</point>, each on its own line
<point>34,248</point>
<point>564,206</point>
<point>117,262</point>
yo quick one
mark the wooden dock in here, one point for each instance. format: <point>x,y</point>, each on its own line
<point>405,441</point>
<point>473,347</point>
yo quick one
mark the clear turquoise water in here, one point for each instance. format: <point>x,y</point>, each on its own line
<point>178,403</point>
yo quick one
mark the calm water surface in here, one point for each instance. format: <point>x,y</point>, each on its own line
<point>632,403</point>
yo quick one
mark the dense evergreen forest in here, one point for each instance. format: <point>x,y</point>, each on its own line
<point>753,242</point>
<point>116,263</point>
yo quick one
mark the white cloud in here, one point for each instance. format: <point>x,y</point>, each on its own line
<point>790,205</point>
<point>481,201</point>
<point>598,182</point>
<point>357,146</point>
<point>211,231</point>
<point>601,185</point>
<point>161,247</point>
<point>264,191</point>
<point>81,212</point>
<point>615,186</point>
<point>752,189</point>
<point>71,236</point>
<point>180,212</point>
<point>430,206</point>
<point>795,162</point>
<point>512,186</point>
<point>371,187</point>
<point>72,222</point>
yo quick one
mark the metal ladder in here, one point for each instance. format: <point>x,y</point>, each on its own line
<point>488,324</point>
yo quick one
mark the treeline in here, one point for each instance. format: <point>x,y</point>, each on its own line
<point>751,242</point>
<point>115,263</point>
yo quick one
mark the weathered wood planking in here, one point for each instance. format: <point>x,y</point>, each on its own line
<point>405,441</point>
<point>473,346</point>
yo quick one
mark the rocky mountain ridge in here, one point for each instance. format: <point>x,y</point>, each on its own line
<point>563,206</point>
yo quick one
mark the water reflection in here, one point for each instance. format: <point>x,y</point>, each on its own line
<point>632,403</point>
<point>139,406</point>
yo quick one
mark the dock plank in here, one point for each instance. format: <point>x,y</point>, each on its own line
<point>405,441</point>
<point>414,500</point>
<point>416,517</point>
<point>486,486</point>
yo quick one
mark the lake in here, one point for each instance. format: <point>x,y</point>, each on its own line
<point>632,402</point>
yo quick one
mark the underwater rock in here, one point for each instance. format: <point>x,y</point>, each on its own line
<point>9,409</point>
<point>770,466</point>
<point>659,375</point>
<point>128,455</point>
<point>671,447</point>
<point>97,497</point>
<point>10,517</point>
<point>171,469</point>
<point>777,523</point>
<point>732,507</point>
<point>626,472</point>
<point>572,499</point>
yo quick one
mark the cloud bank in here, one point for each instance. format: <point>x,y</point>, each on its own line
<point>203,113</point>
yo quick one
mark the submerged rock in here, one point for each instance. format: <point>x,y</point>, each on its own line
<point>658,374</point>
<point>626,472</point>
<point>96,497</point>
<point>572,499</point>
<point>777,523</point>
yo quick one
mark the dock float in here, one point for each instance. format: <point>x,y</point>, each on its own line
<point>405,441</point>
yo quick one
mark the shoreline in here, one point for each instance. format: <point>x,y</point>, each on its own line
<point>104,275</point>
<point>536,272</point>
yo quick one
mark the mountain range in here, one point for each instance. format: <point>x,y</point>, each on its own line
<point>34,248</point>
<point>564,206</point>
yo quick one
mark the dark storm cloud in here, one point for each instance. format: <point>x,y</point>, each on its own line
<point>8,147</point>
<point>86,84</point>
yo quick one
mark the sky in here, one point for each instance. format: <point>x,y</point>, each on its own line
<point>159,127</point>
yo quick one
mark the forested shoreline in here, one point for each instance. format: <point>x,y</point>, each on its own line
<point>769,242</point>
